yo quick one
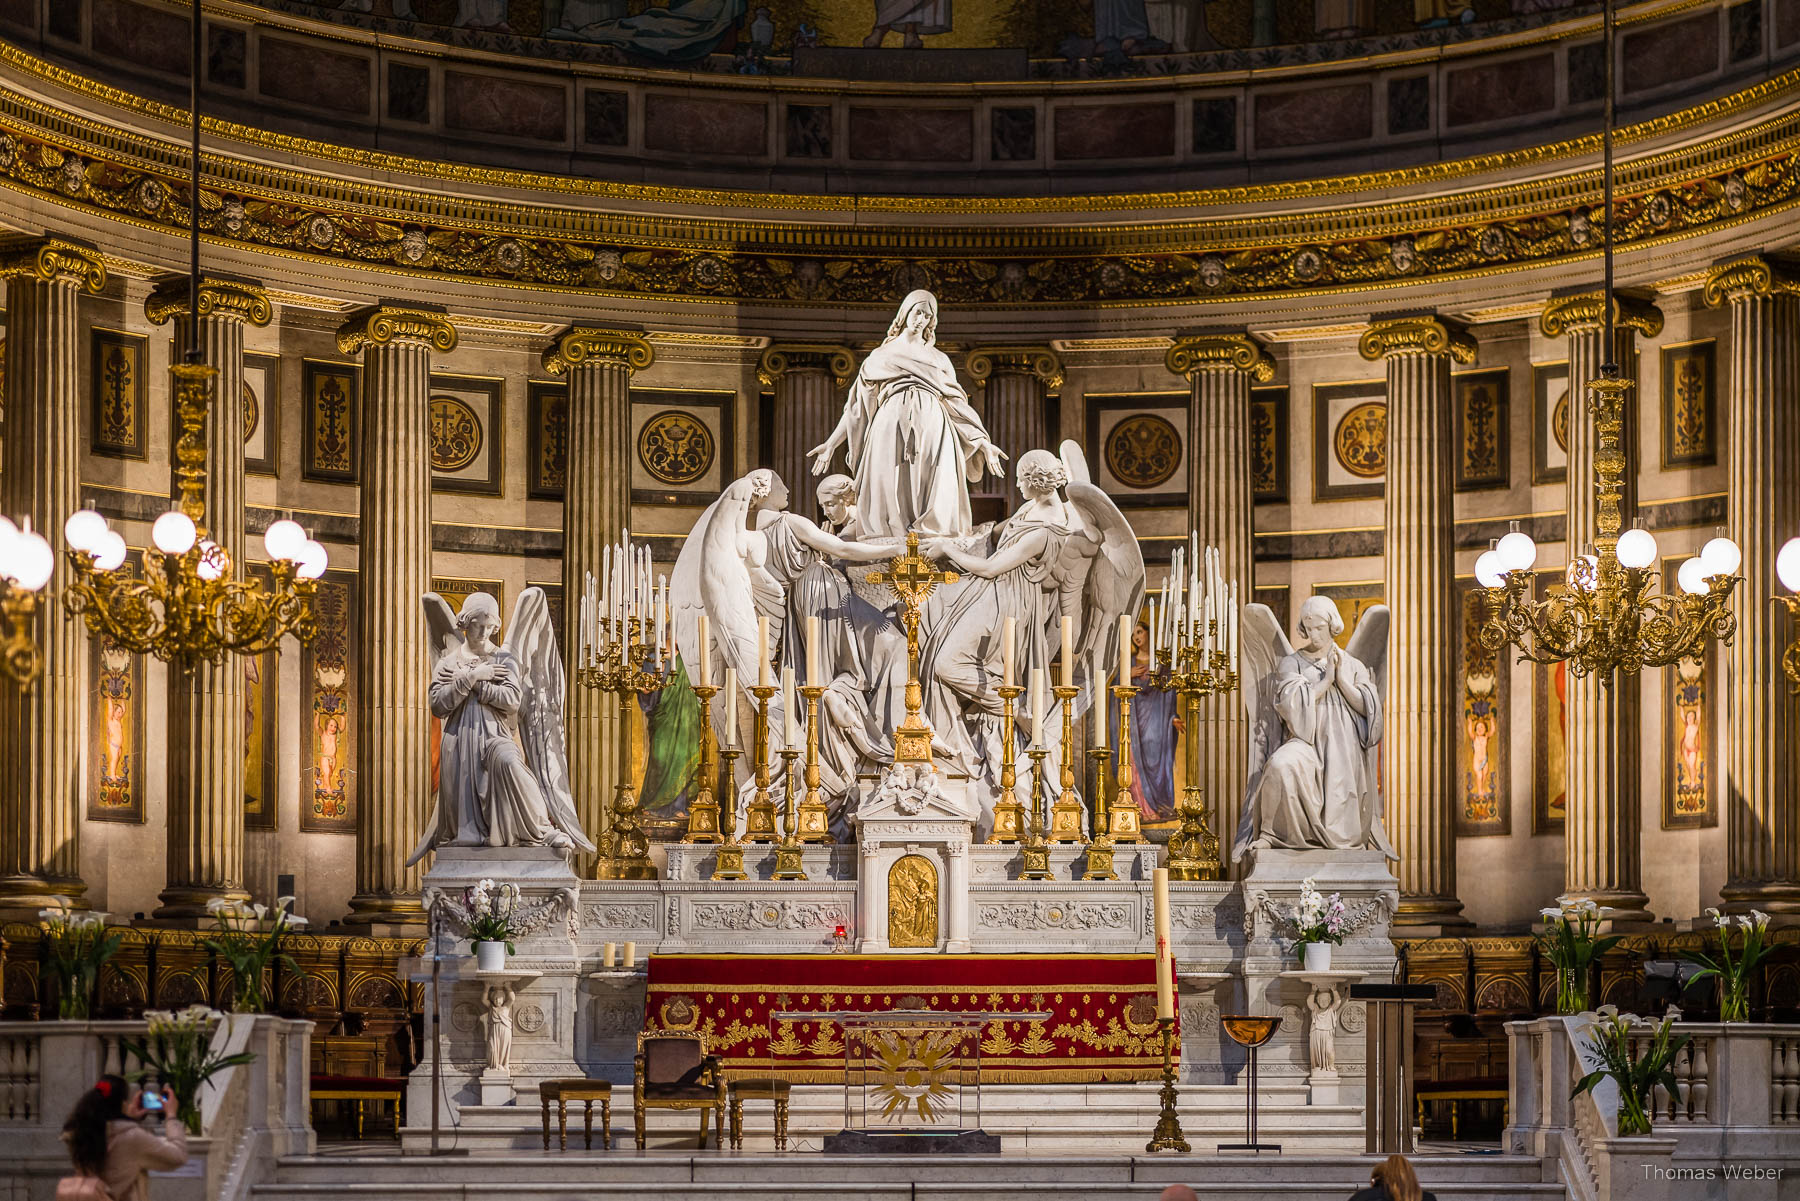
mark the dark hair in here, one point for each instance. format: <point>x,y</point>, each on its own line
<point>1394,1176</point>
<point>85,1130</point>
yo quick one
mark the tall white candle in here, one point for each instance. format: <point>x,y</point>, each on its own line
<point>1068,652</point>
<point>1165,964</point>
<point>1097,714</point>
<point>762,652</point>
<point>1009,637</point>
<point>1125,648</point>
<point>790,727</point>
<point>705,635</point>
<point>1037,706</point>
<point>815,674</point>
<point>731,706</point>
<point>1155,629</point>
<point>1234,625</point>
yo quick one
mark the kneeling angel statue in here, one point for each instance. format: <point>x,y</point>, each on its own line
<point>503,770</point>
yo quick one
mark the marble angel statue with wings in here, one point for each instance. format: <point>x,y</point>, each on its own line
<point>1315,738</point>
<point>503,774</point>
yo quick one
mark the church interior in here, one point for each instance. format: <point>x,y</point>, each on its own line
<point>956,585</point>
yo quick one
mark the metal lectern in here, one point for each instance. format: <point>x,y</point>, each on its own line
<point>1389,1102</point>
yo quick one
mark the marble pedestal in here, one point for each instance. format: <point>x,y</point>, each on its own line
<point>914,828</point>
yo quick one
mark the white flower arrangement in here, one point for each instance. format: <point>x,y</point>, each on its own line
<point>1318,918</point>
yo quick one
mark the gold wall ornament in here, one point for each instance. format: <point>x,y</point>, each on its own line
<point>1584,311</point>
<point>1752,276</point>
<point>246,301</point>
<point>1417,335</point>
<point>1238,352</point>
<point>1143,450</point>
<point>675,447</point>
<point>912,892</point>
<point>1360,440</point>
<point>784,357</point>
<point>579,344</point>
<point>456,434</point>
<point>381,324</point>
<point>986,361</point>
<point>51,258</point>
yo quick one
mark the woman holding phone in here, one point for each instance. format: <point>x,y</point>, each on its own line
<point>113,1151</point>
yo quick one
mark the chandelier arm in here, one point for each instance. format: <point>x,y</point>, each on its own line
<point>132,614</point>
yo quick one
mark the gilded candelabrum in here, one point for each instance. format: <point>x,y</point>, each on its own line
<point>1790,658</point>
<point>1009,815</point>
<point>19,654</point>
<point>788,862</point>
<point>729,864</point>
<point>759,815</point>
<point>1101,846</point>
<point>1604,617</point>
<point>1065,814</point>
<point>1036,851</point>
<point>189,607</point>
<point>618,665</point>
<point>703,814</point>
<point>1122,818</point>
<point>1194,671</point>
<point>814,822</point>
<point>1168,1136</point>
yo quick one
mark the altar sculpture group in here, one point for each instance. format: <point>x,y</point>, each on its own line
<point>775,596</point>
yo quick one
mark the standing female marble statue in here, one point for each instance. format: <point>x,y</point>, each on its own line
<point>503,777</point>
<point>1315,709</point>
<point>912,440</point>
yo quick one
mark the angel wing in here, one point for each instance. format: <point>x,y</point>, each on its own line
<point>1262,645</point>
<point>711,577</point>
<point>1369,644</point>
<point>531,637</point>
<point>1104,573</point>
<point>440,620</point>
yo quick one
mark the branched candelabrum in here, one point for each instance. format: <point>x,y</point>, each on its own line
<point>618,663</point>
<point>1194,668</point>
<point>1009,815</point>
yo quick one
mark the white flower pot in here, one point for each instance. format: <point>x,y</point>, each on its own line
<point>1318,957</point>
<point>490,956</point>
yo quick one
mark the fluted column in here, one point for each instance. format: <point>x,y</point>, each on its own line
<point>1603,803</point>
<point>1013,382</point>
<point>206,705</point>
<point>393,716</point>
<point>40,728</point>
<point>807,378</point>
<point>596,512</point>
<point>1762,795</point>
<point>1418,748</point>
<point>1220,367</point>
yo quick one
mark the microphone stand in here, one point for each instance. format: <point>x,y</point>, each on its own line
<point>437,1046</point>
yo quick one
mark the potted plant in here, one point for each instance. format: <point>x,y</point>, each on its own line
<point>1734,972</point>
<point>78,944</point>
<point>1319,922</point>
<point>1612,1037</point>
<point>489,907</point>
<point>249,939</point>
<point>177,1051</point>
<point>1570,942</point>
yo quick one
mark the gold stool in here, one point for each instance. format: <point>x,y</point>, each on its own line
<point>758,1089</point>
<point>587,1092</point>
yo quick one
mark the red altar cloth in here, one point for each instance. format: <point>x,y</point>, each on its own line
<point>1103,1007</point>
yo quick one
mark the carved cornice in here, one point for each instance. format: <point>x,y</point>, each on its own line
<point>1417,335</point>
<point>1753,276</point>
<point>385,323</point>
<point>984,362</point>
<point>1584,311</point>
<point>52,258</point>
<point>784,357</point>
<point>611,346</point>
<point>1220,352</point>
<point>218,298</point>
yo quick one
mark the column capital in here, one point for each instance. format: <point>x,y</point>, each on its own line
<point>381,324</point>
<point>1193,353</point>
<point>783,357</point>
<point>1585,311</point>
<point>51,258</point>
<point>1751,276</point>
<point>1417,335</point>
<point>615,345</point>
<point>985,361</point>
<point>245,301</point>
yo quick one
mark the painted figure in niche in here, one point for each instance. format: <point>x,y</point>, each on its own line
<point>913,19</point>
<point>1155,729</point>
<point>671,749</point>
<point>913,442</point>
<point>680,31</point>
<point>1690,779</point>
<point>326,773</point>
<point>117,752</point>
<point>1481,766</point>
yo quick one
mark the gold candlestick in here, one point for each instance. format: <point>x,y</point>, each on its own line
<point>1167,1136</point>
<point>729,865</point>
<point>1009,815</point>
<point>1036,852</point>
<point>1065,815</point>
<point>703,814</point>
<point>759,816</point>
<point>618,666</point>
<point>788,863</point>
<point>1196,672</point>
<point>1123,825</point>
<point>1100,849</point>
<point>814,820</point>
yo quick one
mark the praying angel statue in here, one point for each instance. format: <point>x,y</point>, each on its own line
<point>503,774</point>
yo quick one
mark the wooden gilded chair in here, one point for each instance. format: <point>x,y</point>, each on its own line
<point>674,1071</point>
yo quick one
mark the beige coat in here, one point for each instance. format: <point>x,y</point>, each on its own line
<point>132,1151</point>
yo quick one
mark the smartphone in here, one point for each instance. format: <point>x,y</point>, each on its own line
<point>152,1101</point>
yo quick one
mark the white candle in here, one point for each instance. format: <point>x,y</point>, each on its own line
<point>1155,629</point>
<point>1165,965</point>
<point>705,650</point>
<point>1125,648</point>
<point>1037,707</point>
<point>1009,637</point>
<point>1068,652</point>
<point>762,652</point>
<point>1235,611</point>
<point>609,954</point>
<point>815,675</point>
<point>631,951</point>
<point>660,627</point>
<point>731,706</point>
<point>1097,714</point>
<point>790,727</point>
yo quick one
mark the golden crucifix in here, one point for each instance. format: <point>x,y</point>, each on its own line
<point>912,578</point>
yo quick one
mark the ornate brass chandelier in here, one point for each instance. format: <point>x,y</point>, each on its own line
<point>26,562</point>
<point>1605,617</point>
<point>189,609</point>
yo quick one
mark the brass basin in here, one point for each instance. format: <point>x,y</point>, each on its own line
<point>1250,1031</point>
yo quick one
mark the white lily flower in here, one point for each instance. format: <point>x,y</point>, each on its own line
<point>217,905</point>
<point>1607,1011</point>
<point>1548,911</point>
<point>1759,917</point>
